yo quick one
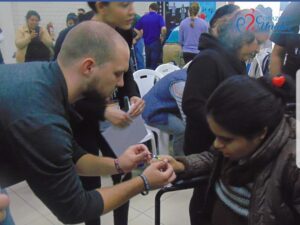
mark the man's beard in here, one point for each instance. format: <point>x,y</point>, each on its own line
<point>93,95</point>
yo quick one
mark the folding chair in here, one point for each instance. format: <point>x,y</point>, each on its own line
<point>166,68</point>
<point>178,185</point>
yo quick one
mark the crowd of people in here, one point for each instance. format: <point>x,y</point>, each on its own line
<point>59,98</point>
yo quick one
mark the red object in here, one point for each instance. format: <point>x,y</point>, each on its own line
<point>278,81</point>
<point>202,16</point>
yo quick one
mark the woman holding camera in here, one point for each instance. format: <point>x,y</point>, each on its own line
<point>30,33</point>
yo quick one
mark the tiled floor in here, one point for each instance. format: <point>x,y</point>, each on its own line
<point>27,209</point>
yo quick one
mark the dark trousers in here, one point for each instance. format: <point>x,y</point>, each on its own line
<point>1,58</point>
<point>88,136</point>
<point>196,208</point>
<point>188,56</point>
<point>153,54</point>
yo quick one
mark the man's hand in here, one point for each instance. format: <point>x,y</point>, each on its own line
<point>133,156</point>
<point>117,117</point>
<point>137,106</point>
<point>159,174</point>
<point>4,201</point>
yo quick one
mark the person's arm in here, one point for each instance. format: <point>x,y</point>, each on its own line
<point>181,37</point>
<point>138,36</point>
<point>22,38</point>
<point>158,174</point>
<point>291,177</point>
<point>163,29</point>
<point>202,80</point>
<point>193,165</point>
<point>43,148</point>
<point>91,165</point>
<point>1,35</point>
<point>276,61</point>
<point>46,38</point>
<point>176,91</point>
<point>4,201</point>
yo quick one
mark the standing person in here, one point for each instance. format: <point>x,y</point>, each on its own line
<point>71,20</point>
<point>138,44</point>
<point>1,39</point>
<point>285,57</point>
<point>153,28</point>
<point>32,34</point>
<point>220,57</point>
<point>118,15</point>
<point>254,178</point>
<point>190,30</point>
<point>39,146</point>
<point>80,11</point>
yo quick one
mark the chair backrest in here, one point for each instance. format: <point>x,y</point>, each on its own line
<point>187,65</point>
<point>145,79</point>
<point>166,68</point>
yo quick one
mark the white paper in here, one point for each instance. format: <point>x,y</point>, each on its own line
<point>119,139</point>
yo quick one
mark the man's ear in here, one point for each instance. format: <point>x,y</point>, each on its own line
<point>100,7</point>
<point>87,66</point>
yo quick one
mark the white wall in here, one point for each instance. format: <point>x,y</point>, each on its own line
<point>12,15</point>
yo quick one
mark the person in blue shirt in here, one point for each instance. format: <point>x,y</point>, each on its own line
<point>190,30</point>
<point>154,30</point>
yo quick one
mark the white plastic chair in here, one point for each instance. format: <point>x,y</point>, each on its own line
<point>166,68</point>
<point>150,137</point>
<point>145,79</point>
<point>162,139</point>
<point>187,65</point>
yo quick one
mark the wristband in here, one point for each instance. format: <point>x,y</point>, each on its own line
<point>146,185</point>
<point>118,168</point>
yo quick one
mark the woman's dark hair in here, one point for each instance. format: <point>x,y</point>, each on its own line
<point>238,29</point>
<point>194,9</point>
<point>93,7</point>
<point>223,11</point>
<point>31,13</point>
<point>245,106</point>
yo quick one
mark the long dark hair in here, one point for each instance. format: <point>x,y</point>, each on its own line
<point>244,106</point>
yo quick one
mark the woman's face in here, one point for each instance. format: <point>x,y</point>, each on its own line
<point>70,23</point>
<point>233,146</point>
<point>33,22</point>
<point>248,51</point>
<point>118,14</point>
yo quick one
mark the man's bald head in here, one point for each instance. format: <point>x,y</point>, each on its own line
<point>91,39</point>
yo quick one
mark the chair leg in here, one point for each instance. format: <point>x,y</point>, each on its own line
<point>153,144</point>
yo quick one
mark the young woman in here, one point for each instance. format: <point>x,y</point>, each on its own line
<point>252,163</point>
<point>190,30</point>
<point>29,33</point>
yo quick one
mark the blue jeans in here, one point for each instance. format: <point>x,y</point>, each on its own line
<point>175,127</point>
<point>138,50</point>
<point>153,54</point>
<point>8,219</point>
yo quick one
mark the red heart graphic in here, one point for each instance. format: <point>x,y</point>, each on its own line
<point>278,81</point>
